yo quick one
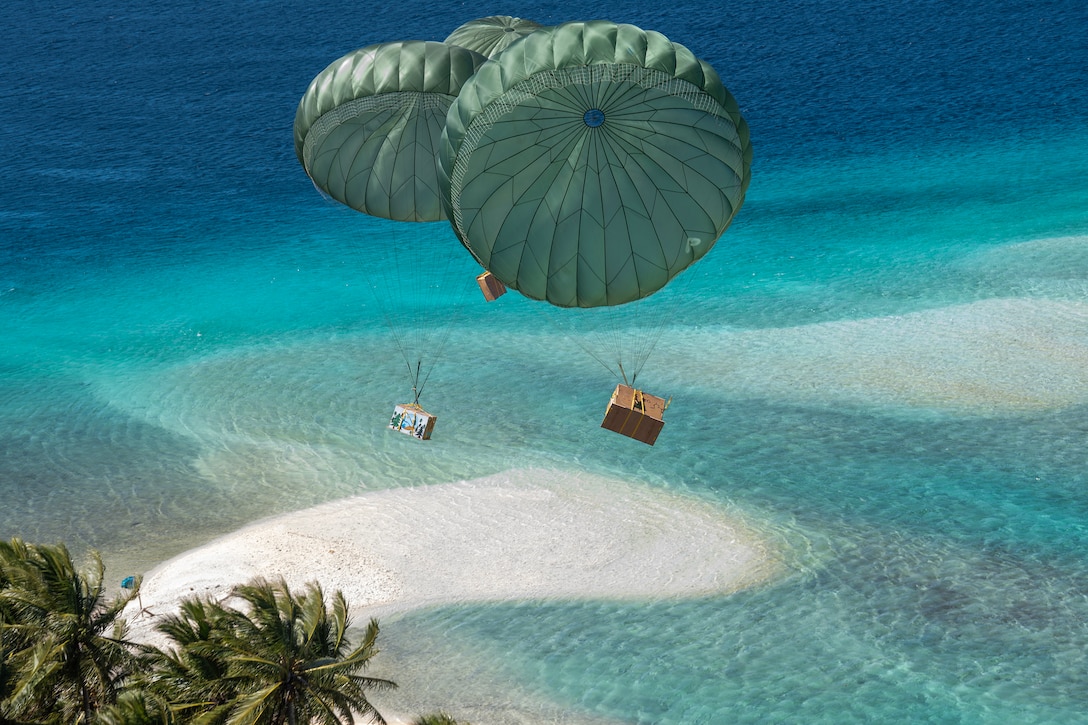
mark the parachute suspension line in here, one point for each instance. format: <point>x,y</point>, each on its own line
<point>621,338</point>
<point>382,293</point>
<point>451,279</point>
<point>616,339</point>
<point>419,279</point>
<point>591,350</point>
<point>622,333</point>
<point>417,389</point>
<point>656,317</point>
<point>654,313</point>
<point>630,333</point>
<point>624,374</point>
<point>566,321</point>
<point>661,310</point>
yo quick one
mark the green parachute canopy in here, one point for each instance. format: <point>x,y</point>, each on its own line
<point>368,128</point>
<point>492,34</point>
<point>590,163</point>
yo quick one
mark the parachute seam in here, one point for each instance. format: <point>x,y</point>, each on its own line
<point>532,86</point>
<point>614,80</point>
<point>345,112</point>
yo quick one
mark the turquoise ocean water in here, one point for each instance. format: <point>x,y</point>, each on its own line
<point>881,364</point>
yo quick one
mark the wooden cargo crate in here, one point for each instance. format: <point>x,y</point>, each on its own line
<point>635,414</point>
<point>413,420</point>
<point>490,286</point>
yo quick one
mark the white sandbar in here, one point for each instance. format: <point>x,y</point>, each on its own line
<point>523,534</point>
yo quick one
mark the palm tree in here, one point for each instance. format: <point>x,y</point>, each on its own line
<point>7,636</point>
<point>282,658</point>
<point>192,674</point>
<point>9,674</point>
<point>64,648</point>
<point>137,707</point>
<point>438,718</point>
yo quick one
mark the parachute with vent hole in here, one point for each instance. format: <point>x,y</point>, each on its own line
<point>492,34</point>
<point>589,164</point>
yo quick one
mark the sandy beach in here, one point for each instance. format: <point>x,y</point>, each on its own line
<point>517,535</point>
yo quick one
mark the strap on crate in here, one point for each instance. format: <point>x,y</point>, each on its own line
<point>636,400</point>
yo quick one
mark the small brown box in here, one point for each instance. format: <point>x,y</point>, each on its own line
<point>490,286</point>
<point>635,414</point>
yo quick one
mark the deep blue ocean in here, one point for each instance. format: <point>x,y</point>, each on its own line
<point>883,364</point>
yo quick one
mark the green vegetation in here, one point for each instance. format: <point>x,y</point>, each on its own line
<point>274,657</point>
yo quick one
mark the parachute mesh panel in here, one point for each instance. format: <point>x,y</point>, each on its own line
<point>562,77</point>
<point>347,112</point>
<point>377,154</point>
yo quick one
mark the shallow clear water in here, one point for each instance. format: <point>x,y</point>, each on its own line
<point>880,364</point>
